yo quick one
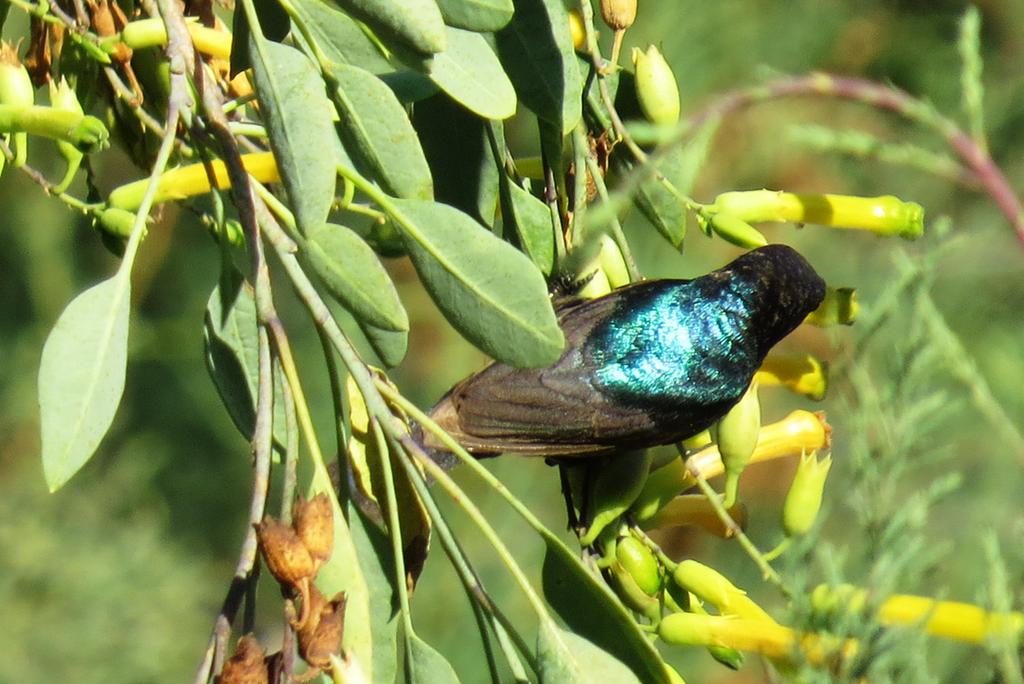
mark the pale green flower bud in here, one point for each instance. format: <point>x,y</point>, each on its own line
<point>737,438</point>
<point>804,498</point>
<point>656,87</point>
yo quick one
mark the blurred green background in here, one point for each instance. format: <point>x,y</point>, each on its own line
<point>117,577</point>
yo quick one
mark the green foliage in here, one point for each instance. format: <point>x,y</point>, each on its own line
<point>81,377</point>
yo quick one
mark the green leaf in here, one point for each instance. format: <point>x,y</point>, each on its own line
<point>275,24</point>
<point>378,135</point>
<point>389,345</point>
<point>343,572</point>
<point>455,142</point>
<point>556,662</point>
<point>416,24</point>
<point>593,612</point>
<point>339,37</point>
<point>662,208</point>
<point>486,288</point>
<point>232,354</point>
<point>594,664</point>
<point>476,15</point>
<point>427,666</point>
<point>355,277</point>
<point>299,120</point>
<point>375,559</point>
<point>531,220</point>
<point>409,86</point>
<point>81,377</point>
<point>470,72</point>
<point>536,50</point>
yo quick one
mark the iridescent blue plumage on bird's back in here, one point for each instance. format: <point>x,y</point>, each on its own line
<point>648,364</point>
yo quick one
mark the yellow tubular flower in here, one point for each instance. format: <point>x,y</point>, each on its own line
<point>886,215</point>
<point>799,432</point>
<point>709,585</point>
<point>191,180</point>
<point>151,33</point>
<point>840,307</point>
<point>795,434</point>
<point>772,640</point>
<point>952,620</point>
<point>697,511</point>
<point>800,373</point>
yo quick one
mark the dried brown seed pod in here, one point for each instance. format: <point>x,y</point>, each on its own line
<point>321,637</point>
<point>618,14</point>
<point>247,665</point>
<point>314,523</point>
<point>287,557</point>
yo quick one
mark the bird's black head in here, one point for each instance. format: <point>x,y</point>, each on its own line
<point>780,288</point>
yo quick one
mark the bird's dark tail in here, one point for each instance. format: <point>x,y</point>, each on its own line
<point>442,457</point>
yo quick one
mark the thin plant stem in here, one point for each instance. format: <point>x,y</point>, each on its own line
<point>716,503</point>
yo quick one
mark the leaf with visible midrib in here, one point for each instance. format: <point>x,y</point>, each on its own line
<point>490,291</point>
<point>232,354</point>
<point>355,276</point>
<point>476,15</point>
<point>594,613</point>
<point>344,572</point>
<point>415,24</point>
<point>471,74</point>
<point>378,135</point>
<point>299,120</point>
<point>428,666</point>
<point>536,50</point>
<point>81,377</point>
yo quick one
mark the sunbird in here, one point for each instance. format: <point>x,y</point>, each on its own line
<point>651,363</point>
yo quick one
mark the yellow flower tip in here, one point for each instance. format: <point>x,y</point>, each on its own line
<point>840,307</point>
<point>576,30</point>
<point>800,373</point>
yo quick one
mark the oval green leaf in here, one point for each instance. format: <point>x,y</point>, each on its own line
<point>486,288</point>
<point>593,612</point>
<point>470,72</point>
<point>299,120</point>
<point>377,563</point>
<point>339,37</point>
<point>416,24</point>
<point>530,218</point>
<point>567,657</point>
<point>476,15</point>
<point>389,346</point>
<point>427,666</point>
<point>230,337</point>
<point>378,135</point>
<point>455,142</point>
<point>355,277</point>
<point>536,50</point>
<point>81,377</point>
